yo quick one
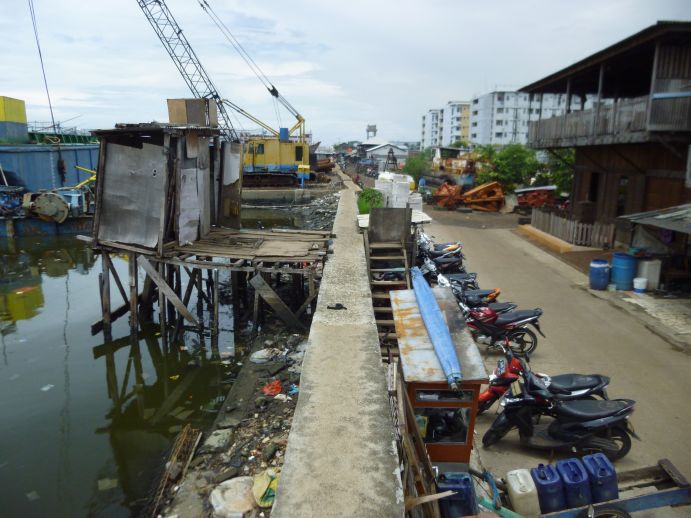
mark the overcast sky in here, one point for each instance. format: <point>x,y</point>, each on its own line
<point>343,65</point>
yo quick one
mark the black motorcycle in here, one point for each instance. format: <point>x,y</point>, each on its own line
<point>584,426</point>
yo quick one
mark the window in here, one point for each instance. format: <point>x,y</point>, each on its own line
<point>500,123</point>
<point>474,124</point>
<point>260,149</point>
<point>474,135</point>
<point>500,110</point>
<point>499,135</point>
<point>475,101</point>
<point>298,153</point>
<point>475,112</point>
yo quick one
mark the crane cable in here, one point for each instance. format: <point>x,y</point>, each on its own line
<point>204,4</point>
<point>61,162</point>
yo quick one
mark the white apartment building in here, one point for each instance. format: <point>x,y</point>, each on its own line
<point>432,128</point>
<point>456,122</point>
<point>501,118</point>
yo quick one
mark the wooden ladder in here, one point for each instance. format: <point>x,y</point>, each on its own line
<point>386,258</point>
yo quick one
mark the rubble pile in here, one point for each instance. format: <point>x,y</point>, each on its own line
<point>321,212</point>
<point>237,467</point>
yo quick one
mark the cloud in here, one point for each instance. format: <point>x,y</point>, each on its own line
<point>342,65</point>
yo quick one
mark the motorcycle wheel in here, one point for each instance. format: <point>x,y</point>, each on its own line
<point>615,443</point>
<point>522,341</point>
<point>494,435</point>
<point>609,511</point>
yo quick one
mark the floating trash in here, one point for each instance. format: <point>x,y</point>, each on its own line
<point>46,388</point>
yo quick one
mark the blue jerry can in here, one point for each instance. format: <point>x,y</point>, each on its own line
<point>550,488</point>
<point>463,503</point>
<point>603,477</point>
<point>576,482</point>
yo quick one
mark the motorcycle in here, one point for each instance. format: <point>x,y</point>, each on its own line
<point>581,426</point>
<point>563,387</point>
<point>492,328</point>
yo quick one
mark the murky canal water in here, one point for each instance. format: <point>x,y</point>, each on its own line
<point>85,425</point>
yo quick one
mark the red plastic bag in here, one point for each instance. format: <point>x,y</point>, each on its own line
<point>273,388</point>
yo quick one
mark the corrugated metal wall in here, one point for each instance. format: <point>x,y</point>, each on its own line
<point>35,167</point>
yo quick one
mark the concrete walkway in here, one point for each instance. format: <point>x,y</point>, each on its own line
<point>341,458</point>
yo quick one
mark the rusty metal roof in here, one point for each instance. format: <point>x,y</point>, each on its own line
<point>418,358</point>
<point>676,218</point>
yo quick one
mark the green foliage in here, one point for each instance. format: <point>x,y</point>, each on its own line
<point>369,199</point>
<point>460,144</point>
<point>418,165</point>
<point>514,165</point>
<point>558,170</point>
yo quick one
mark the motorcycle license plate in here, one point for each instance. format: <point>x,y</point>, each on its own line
<point>516,388</point>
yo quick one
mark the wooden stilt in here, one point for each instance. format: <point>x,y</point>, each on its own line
<point>134,293</point>
<point>161,301</point>
<point>271,298</point>
<point>146,307</point>
<point>216,293</point>
<point>235,294</point>
<point>105,292</point>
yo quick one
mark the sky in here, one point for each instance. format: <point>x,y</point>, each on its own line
<point>343,65</point>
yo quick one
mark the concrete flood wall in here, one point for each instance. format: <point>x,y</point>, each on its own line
<point>341,458</point>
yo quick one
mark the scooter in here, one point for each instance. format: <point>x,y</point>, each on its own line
<point>581,426</point>
<point>487,326</point>
<point>563,387</point>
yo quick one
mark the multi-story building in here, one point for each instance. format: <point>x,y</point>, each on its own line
<point>502,117</point>
<point>456,122</point>
<point>432,128</point>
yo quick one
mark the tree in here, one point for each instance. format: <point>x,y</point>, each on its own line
<point>557,170</point>
<point>418,165</point>
<point>460,144</point>
<point>512,165</point>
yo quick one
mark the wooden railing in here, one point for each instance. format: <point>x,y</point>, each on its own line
<point>598,235</point>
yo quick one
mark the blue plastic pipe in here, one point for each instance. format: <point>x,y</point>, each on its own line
<point>437,329</point>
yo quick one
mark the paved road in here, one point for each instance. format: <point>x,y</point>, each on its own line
<point>586,335</point>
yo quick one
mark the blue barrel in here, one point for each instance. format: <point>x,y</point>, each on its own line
<point>463,503</point>
<point>576,482</point>
<point>623,270</point>
<point>599,274</point>
<point>550,488</point>
<point>603,477</point>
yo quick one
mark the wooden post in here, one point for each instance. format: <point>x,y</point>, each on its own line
<point>134,292</point>
<point>161,306</point>
<point>214,324</point>
<point>653,79</point>
<point>600,82</point>
<point>105,292</point>
<point>235,293</point>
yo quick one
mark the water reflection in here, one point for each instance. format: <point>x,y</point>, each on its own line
<point>87,422</point>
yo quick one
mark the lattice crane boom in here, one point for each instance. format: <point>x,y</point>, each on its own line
<point>186,60</point>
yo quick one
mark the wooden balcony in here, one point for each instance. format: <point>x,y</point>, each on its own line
<point>626,121</point>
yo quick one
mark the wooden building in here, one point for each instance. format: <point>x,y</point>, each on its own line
<point>632,146</point>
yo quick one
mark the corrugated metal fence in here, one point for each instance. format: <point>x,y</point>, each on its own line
<point>598,235</point>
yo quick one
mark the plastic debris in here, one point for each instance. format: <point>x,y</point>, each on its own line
<point>282,397</point>
<point>293,389</point>
<point>106,484</point>
<point>46,388</point>
<point>264,488</point>
<point>174,377</point>
<point>264,355</point>
<point>233,497</point>
<point>32,496</point>
<point>272,388</point>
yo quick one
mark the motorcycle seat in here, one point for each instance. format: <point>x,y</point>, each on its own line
<point>515,316</point>
<point>459,277</point>
<point>571,382</point>
<point>585,410</point>
<point>447,260</point>
<point>500,306</point>
<point>477,293</point>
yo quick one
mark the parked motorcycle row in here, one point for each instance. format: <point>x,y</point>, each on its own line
<point>570,412</point>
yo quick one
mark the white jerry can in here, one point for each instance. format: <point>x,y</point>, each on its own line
<point>523,493</point>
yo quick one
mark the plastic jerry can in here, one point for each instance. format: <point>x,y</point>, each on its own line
<point>523,493</point>
<point>463,503</point>
<point>550,488</point>
<point>603,477</point>
<point>576,482</point>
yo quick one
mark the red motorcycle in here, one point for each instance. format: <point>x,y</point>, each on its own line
<point>494,329</point>
<point>563,387</point>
